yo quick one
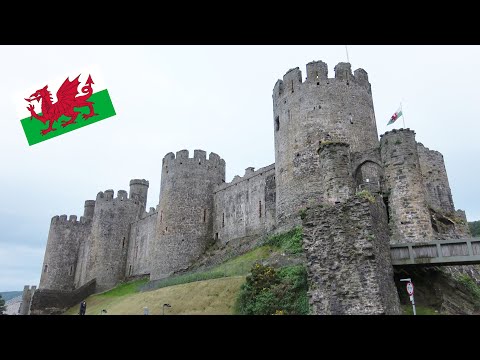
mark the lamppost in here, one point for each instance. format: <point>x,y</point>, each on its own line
<point>167,305</point>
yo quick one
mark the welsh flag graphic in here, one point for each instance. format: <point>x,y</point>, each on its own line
<point>395,116</point>
<point>74,107</point>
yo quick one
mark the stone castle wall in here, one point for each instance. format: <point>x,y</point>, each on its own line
<point>320,109</point>
<point>245,206</point>
<point>142,238</point>
<point>435,179</point>
<point>185,213</point>
<point>409,215</point>
<point>60,261</point>
<point>348,259</point>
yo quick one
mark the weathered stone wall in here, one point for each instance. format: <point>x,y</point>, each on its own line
<point>245,206</point>
<point>409,215</point>
<point>55,302</point>
<point>304,113</point>
<point>435,179</point>
<point>348,259</point>
<point>185,212</point>
<point>335,172</point>
<point>61,254</point>
<point>110,237</point>
<point>142,238</point>
<point>27,295</point>
<point>367,170</point>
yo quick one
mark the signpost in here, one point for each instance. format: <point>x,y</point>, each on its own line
<point>410,293</point>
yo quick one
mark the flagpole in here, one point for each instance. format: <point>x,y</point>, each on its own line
<point>403,115</point>
<point>346,49</point>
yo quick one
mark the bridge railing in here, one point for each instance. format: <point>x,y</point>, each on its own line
<point>453,252</point>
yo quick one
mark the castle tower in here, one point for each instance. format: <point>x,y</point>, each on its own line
<point>435,179</point>
<point>139,191</point>
<point>407,202</point>
<point>26,300</point>
<point>337,180</point>
<point>110,236</point>
<point>336,109</point>
<point>89,209</point>
<point>60,260</point>
<point>185,211</point>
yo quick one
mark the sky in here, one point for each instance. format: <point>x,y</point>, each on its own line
<point>214,98</point>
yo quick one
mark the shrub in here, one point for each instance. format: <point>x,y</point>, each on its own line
<point>271,292</point>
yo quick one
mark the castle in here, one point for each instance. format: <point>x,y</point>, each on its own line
<point>327,150</point>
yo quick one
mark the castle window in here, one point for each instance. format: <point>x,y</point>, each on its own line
<point>204,215</point>
<point>223,220</point>
<point>161,215</point>
<point>70,271</point>
<point>260,209</point>
<point>350,117</point>
<point>317,75</point>
<point>45,268</point>
<point>130,270</point>
<point>277,123</point>
<point>292,87</point>
<point>216,236</point>
<point>166,229</point>
<point>318,83</point>
<point>123,242</point>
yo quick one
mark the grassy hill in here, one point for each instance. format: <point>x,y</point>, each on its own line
<point>210,291</point>
<point>215,296</point>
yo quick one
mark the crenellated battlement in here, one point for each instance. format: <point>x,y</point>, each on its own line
<point>199,158</point>
<point>109,196</point>
<point>249,173</point>
<point>64,219</point>
<point>317,75</point>
<point>400,131</point>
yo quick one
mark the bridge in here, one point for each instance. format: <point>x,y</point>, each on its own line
<point>437,253</point>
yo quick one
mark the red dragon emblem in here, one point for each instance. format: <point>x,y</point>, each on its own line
<point>67,100</point>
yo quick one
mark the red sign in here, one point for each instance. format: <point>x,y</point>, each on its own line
<point>410,288</point>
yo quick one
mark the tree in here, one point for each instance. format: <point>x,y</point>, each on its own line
<point>3,308</point>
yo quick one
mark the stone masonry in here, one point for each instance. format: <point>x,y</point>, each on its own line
<point>327,150</point>
<point>348,259</point>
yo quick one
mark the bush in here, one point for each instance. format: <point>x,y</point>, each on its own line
<point>366,195</point>
<point>271,292</point>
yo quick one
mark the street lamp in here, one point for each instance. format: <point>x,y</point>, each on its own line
<point>167,305</point>
<point>410,292</point>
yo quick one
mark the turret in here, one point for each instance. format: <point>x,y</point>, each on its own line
<point>109,239</point>
<point>407,202</point>
<point>338,109</point>
<point>60,260</point>
<point>185,211</point>
<point>139,191</point>
<point>89,209</point>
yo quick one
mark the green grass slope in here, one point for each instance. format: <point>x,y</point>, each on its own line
<point>213,297</point>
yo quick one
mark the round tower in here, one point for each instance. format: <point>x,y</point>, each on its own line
<point>110,237</point>
<point>407,202</point>
<point>89,209</point>
<point>185,210</point>
<point>139,191</point>
<point>337,180</point>
<point>60,260</point>
<point>336,109</point>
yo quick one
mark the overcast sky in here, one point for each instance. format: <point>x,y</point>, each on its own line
<point>214,98</point>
